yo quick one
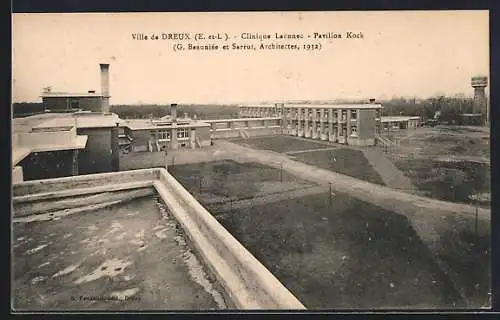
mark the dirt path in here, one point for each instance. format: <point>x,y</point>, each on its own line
<point>392,176</point>
<point>454,158</point>
<point>432,219</point>
<point>386,197</point>
<point>271,198</point>
<point>310,150</point>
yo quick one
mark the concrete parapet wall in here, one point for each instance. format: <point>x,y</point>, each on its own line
<point>356,141</point>
<point>245,280</point>
<point>82,181</point>
<point>252,132</point>
<point>17,174</point>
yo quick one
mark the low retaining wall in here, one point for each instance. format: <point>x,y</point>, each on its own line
<point>245,281</point>
<point>252,132</point>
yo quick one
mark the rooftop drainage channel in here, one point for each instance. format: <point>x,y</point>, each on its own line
<point>246,283</point>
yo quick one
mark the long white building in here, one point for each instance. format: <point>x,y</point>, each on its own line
<point>353,124</point>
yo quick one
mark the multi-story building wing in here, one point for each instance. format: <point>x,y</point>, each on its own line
<point>354,124</point>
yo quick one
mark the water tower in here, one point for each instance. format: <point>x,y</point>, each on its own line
<point>479,83</point>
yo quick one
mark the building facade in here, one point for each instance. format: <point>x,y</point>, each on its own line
<point>244,127</point>
<point>64,144</point>
<point>400,122</point>
<point>61,102</point>
<point>260,111</point>
<point>354,124</point>
<point>88,101</point>
<point>157,135</point>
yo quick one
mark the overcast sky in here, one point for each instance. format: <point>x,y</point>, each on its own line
<point>402,53</point>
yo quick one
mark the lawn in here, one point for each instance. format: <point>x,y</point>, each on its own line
<point>469,257</point>
<point>349,255</point>
<point>280,144</point>
<point>141,160</point>
<point>346,161</point>
<point>227,179</point>
<point>450,181</point>
<point>442,140</point>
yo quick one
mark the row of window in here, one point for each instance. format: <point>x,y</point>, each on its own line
<point>165,134</point>
<point>354,129</point>
<point>325,114</point>
<point>304,111</point>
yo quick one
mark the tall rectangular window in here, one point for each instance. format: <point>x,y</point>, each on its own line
<point>182,133</point>
<point>74,103</point>
<point>163,134</point>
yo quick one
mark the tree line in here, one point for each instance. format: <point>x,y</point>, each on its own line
<point>449,107</point>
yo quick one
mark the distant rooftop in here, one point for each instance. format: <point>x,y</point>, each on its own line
<point>257,105</point>
<point>59,120</point>
<point>399,118</point>
<point>337,106</point>
<point>471,114</point>
<point>241,119</point>
<point>70,95</point>
<point>146,124</point>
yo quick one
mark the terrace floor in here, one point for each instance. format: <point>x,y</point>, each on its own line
<point>126,257</point>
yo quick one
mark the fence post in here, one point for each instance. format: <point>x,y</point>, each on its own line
<point>281,172</point>
<point>477,232</point>
<point>330,194</point>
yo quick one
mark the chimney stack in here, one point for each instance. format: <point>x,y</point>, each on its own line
<point>372,101</point>
<point>105,87</point>
<point>173,112</point>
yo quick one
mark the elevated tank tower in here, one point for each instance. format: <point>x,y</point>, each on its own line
<point>479,83</point>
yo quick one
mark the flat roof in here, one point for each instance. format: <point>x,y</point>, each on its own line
<point>71,95</point>
<point>78,143</point>
<point>19,153</point>
<point>471,114</point>
<point>399,118</point>
<point>146,124</point>
<point>263,105</point>
<point>336,106</point>
<point>116,250</point>
<point>102,121</point>
<point>25,124</point>
<point>241,119</point>
<point>80,120</point>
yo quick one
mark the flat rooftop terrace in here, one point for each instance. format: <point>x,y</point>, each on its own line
<point>131,256</point>
<point>130,240</point>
